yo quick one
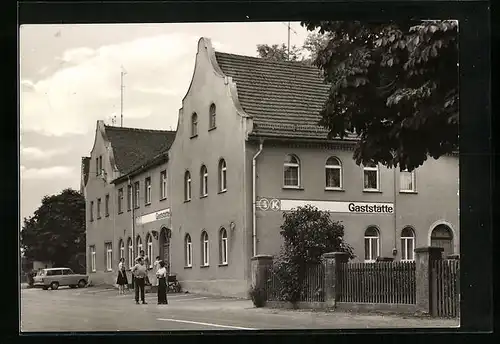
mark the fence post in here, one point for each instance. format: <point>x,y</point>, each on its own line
<point>260,264</point>
<point>424,256</point>
<point>332,261</point>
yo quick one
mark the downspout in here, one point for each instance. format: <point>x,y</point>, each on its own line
<point>133,217</point>
<point>254,198</point>
<point>395,249</point>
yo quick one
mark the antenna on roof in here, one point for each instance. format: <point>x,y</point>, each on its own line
<point>122,86</point>
<point>288,45</point>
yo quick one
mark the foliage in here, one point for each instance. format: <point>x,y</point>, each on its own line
<point>56,232</point>
<point>308,233</point>
<point>395,85</point>
<point>278,52</point>
<point>258,296</point>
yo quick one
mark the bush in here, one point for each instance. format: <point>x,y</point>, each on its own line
<point>258,296</point>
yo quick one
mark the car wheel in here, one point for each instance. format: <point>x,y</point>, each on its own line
<point>82,283</point>
<point>54,285</point>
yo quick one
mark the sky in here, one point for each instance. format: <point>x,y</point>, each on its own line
<point>70,78</point>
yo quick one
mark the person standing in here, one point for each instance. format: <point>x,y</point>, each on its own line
<point>121,279</point>
<point>146,261</point>
<point>156,267</point>
<point>140,273</point>
<point>161,276</point>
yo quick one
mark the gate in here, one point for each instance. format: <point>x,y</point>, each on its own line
<point>446,288</point>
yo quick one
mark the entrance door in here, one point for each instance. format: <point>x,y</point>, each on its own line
<point>442,236</point>
<point>165,247</point>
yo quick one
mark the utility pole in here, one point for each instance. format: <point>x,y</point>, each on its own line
<point>288,55</point>
<point>122,86</point>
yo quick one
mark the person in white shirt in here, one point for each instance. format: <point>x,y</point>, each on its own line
<point>161,275</point>
<point>121,279</point>
<point>140,274</point>
<point>156,266</point>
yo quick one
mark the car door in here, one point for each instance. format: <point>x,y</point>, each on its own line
<point>69,277</point>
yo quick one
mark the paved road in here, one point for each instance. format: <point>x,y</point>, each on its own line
<point>93,309</point>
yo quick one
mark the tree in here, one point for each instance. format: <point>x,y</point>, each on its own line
<point>277,52</point>
<point>307,234</point>
<point>56,231</point>
<point>394,85</point>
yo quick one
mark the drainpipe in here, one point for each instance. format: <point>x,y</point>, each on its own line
<point>254,198</point>
<point>394,250</point>
<point>133,217</point>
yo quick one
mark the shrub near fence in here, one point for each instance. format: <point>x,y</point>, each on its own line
<point>384,282</point>
<point>313,285</point>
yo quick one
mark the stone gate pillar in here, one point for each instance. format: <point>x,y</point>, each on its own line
<point>332,261</point>
<point>260,265</point>
<point>424,256</point>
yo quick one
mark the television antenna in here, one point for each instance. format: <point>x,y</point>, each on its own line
<point>288,45</point>
<point>122,86</point>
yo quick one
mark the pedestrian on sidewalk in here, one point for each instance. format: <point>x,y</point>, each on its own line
<point>121,279</point>
<point>140,273</point>
<point>156,267</point>
<point>161,276</point>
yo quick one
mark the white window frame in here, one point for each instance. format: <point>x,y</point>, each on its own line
<point>147,184</point>
<point>187,186</point>
<point>99,202</point>
<point>106,205</point>
<point>413,180</point>
<point>122,249</point>
<point>371,169</point>
<point>291,165</point>
<point>204,181</point>
<point>372,257</point>
<point>120,200</point>
<point>163,184</point>
<point>93,266</point>
<point>405,255</point>
<point>194,124</point>
<point>109,256</point>
<point>205,249</point>
<point>139,244</point>
<point>222,175</point>
<point>137,194</point>
<point>188,250</point>
<point>212,116</point>
<point>149,250</point>
<point>130,243</point>
<point>223,247</point>
<point>329,167</point>
<point>130,196</point>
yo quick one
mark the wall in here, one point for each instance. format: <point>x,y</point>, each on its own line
<point>217,209</point>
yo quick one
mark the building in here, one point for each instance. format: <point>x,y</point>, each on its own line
<point>248,147</point>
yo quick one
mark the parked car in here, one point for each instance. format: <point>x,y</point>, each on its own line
<point>56,277</point>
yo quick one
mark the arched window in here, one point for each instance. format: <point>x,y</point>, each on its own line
<point>121,245</point>
<point>371,178</point>
<point>203,181</point>
<point>407,243</point>
<point>205,249</point>
<point>139,244</point>
<point>187,186</point>
<point>222,175</point>
<point>442,236</point>
<point>194,124</point>
<point>212,114</point>
<point>372,244</point>
<point>223,246</point>
<point>333,171</point>
<point>188,247</point>
<point>130,253</point>
<point>149,251</point>
<point>291,171</point>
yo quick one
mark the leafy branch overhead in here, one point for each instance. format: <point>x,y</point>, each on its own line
<point>395,85</point>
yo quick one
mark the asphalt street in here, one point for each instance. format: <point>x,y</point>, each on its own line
<point>94,309</point>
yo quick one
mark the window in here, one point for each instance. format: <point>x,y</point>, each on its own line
<point>120,200</point>
<point>291,170</point>
<point>109,256</point>
<point>91,210</point>
<point>92,259</point>
<point>98,208</point>
<point>106,205</point>
<point>122,249</point>
<point>407,181</point>
<point>188,251</point>
<point>204,249</point>
<point>407,243</point>
<point>147,190</point>
<point>371,178</point>
<point>149,251</point>
<point>223,247</point>
<point>97,170</point>
<point>212,116</point>
<point>203,181</point>
<point>129,197</point>
<point>130,253</point>
<point>187,186</point>
<point>163,184</point>
<point>442,236</point>
<point>222,175</point>
<point>136,194</point>
<point>100,165</point>
<point>372,245</point>
<point>333,170</point>
<point>139,244</point>
<point>194,125</point>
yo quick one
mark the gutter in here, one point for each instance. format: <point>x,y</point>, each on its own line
<point>133,218</point>
<point>254,198</point>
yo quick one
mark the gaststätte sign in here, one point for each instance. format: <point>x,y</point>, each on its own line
<point>341,207</point>
<point>156,216</point>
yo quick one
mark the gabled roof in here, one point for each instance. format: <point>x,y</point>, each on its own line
<point>284,98</point>
<point>134,147</point>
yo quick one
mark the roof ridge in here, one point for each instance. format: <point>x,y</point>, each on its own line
<point>139,129</point>
<point>273,62</point>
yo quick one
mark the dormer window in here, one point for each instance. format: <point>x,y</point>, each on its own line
<point>194,125</point>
